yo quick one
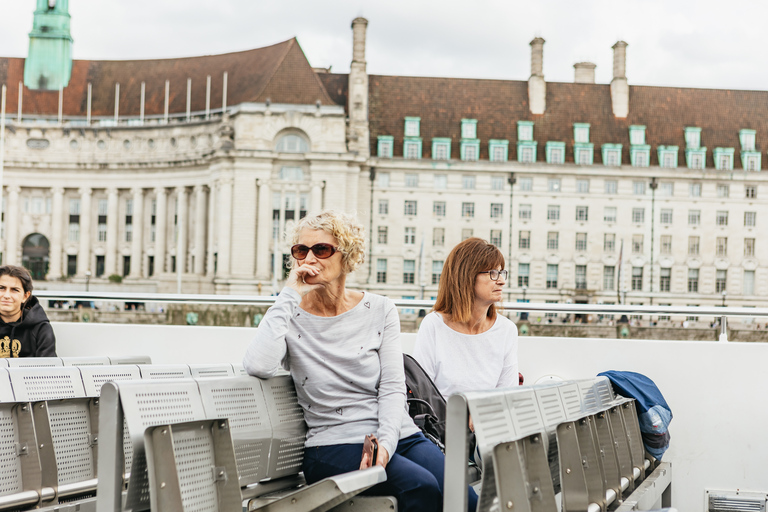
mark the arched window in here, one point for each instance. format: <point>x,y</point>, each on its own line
<point>292,143</point>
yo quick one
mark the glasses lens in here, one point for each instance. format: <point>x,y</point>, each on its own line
<point>299,251</point>
<point>494,274</point>
<point>322,251</point>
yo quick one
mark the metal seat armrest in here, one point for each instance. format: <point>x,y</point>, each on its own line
<point>323,495</point>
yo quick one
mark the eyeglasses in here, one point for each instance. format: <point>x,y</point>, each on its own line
<point>321,251</point>
<point>493,274</point>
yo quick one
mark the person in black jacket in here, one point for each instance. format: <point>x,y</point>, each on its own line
<point>24,327</point>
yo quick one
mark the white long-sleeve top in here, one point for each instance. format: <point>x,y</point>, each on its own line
<point>458,362</point>
<point>348,369</point>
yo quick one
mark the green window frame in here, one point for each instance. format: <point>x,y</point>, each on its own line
<point>437,143</point>
<point>526,152</point>
<point>583,154</point>
<point>696,158</point>
<point>692,137</point>
<point>580,129</point>
<point>385,146</point>
<point>724,159</point>
<point>637,135</point>
<point>750,160</point>
<point>610,151</point>
<point>525,131</point>
<point>469,129</point>
<point>555,152</point>
<point>470,150</point>
<point>747,139</point>
<point>667,157</point>
<point>640,156</point>
<point>412,125</point>
<point>412,148</point>
<point>498,150</point>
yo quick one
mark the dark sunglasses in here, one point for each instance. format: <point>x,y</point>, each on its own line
<point>321,251</point>
<point>493,274</point>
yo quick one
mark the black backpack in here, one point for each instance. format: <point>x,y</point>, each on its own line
<point>425,403</point>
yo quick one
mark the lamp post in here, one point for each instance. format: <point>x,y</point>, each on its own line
<point>87,279</point>
<point>524,314</point>
<point>525,289</point>
<point>724,294</point>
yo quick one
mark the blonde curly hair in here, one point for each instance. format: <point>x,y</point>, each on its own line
<point>345,228</point>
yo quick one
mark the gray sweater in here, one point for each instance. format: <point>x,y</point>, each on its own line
<point>348,369</point>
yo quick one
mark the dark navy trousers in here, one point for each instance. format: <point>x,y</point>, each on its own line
<point>414,472</point>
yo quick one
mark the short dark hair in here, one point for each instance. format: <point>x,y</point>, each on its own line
<point>20,273</point>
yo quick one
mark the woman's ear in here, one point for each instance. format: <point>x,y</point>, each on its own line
<point>26,296</point>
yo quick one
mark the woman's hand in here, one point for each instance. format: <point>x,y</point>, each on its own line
<point>381,460</point>
<point>297,276</point>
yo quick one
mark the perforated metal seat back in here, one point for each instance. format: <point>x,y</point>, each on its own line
<point>37,384</point>
<point>72,434</point>
<point>10,461</point>
<point>242,401</point>
<point>146,403</point>
<point>525,412</point>
<point>288,427</point>
<point>85,361</point>
<point>569,394</point>
<point>27,362</point>
<point>550,405</point>
<point>202,371</point>
<point>95,376</point>
<point>130,360</point>
<point>164,371</point>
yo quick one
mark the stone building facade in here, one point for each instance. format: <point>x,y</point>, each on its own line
<point>190,170</point>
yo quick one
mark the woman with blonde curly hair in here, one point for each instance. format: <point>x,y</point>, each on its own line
<point>342,348</point>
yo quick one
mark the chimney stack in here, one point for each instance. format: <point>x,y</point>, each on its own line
<point>584,73</point>
<point>537,87</point>
<point>619,84</point>
<point>358,135</point>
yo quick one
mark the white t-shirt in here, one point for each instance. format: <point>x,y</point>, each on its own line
<point>459,362</point>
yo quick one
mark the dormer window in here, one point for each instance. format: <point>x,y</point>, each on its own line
<point>555,152</point>
<point>750,158</point>
<point>583,150</point>
<point>695,154</point>
<point>639,151</point>
<point>747,138</point>
<point>668,157</point>
<point>692,137</point>
<point>636,135</point>
<point>498,150</point>
<point>526,146</point>
<point>412,148</point>
<point>581,133</point>
<point>525,130</point>
<point>385,146</point>
<point>469,128</point>
<point>724,159</point>
<point>695,158</point>
<point>412,126</point>
<point>441,148</point>
<point>612,154</point>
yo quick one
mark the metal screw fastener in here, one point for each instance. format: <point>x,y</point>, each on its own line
<point>162,485</point>
<point>41,445</point>
<point>42,406</point>
<point>202,427</point>
<point>510,504</point>
<point>221,473</point>
<point>535,439</point>
<point>509,448</point>
<point>568,470</point>
<point>165,431</point>
<point>535,490</point>
<point>23,407</point>
<point>568,427</point>
<point>351,503</point>
<point>293,500</point>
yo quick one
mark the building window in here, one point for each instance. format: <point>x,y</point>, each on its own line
<point>99,266</point>
<point>467,210</point>
<point>466,233</point>
<point>525,212</point>
<point>693,245</point>
<point>555,152</point>
<point>581,242</point>
<point>583,155</point>
<point>722,218</point>
<point>637,278</point>
<point>553,240</point>
<point>665,279</point>
<point>721,246</point>
<point>581,277</point>
<point>749,247</point>
<point>438,208</point>
<point>383,234</point>
<point>525,184</point>
<point>666,189</point>
<point>750,219</point>
<point>609,214</point>
<point>409,271</point>
<point>383,206</point>
<point>524,240</point>
<point>582,213</point>
<point>525,130</point>
<point>497,183</point>
<point>692,137</point>
<point>381,270</point>
<point>724,159</point>
<point>720,280</point>
<point>411,180</point>
<point>468,182</point>
<point>410,236</point>
<point>553,212</point>
<point>749,282</point>
<point>498,150</point>
<point>383,179</point>
<point>526,154</point>
<point>695,190</point>
<point>694,217</point>
<point>723,190</point>
<point>470,150</point>
<point>750,191</point>
<point>551,276</point>
<point>385,146</point>
<point>126,265</point>
<point>440,181</point>
<point>73,235</point>
<point>437,270</point>
<point>609,242</point>
<point>553,184</point>
<point>412,149</point>
<point>612,154</point>
<point>410,207</point>
<point>441,148</point>
<point>750,161</point>
<point>412,127</point>
<point>497,210</point>
<point>638,215</point>
<point>666,244</point>
<point>640,156</point>
<point>71,264</point>
<point>609,281</point>
<point>102,231</point>
<point>469,128</point>
<point>747,139</point>
<point>496,237</point>
<point>291,143</point>
<point>636,135</point>
<point>668,157</point>
<point>637,244</point>
<point>128,232</point>
<point>438,237</point>
<point>696,158</point>
<point>638,188</point>
<point>666,216</point>
<point>523,274</point>
<point>581,132</point>
<point>693,280</point>
<point>582,186</point>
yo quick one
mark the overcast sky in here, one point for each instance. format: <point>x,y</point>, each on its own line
<point>705,43</point>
